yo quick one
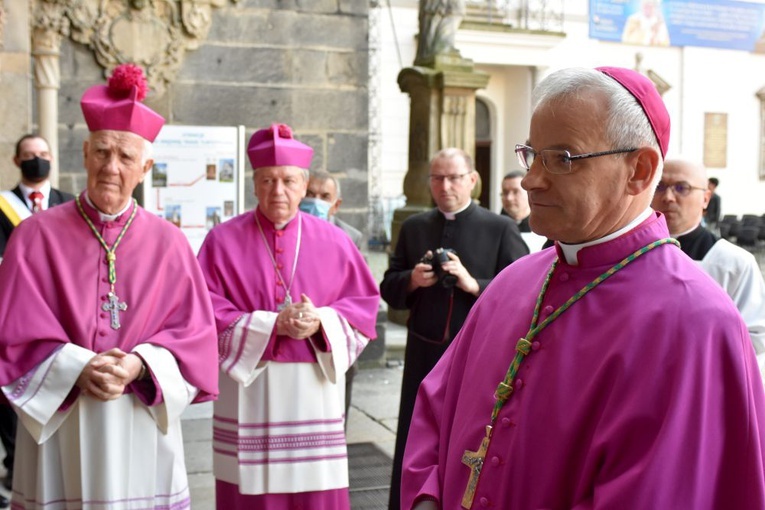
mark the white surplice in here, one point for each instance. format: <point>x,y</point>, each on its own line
<point>283,447</point>
<point>95,455</point>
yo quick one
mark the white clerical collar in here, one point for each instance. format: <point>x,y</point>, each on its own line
<point>44,189</point>
<point>453,215</point>
<point>570,251</point>
<point>107,217</point>
<point>277,226</point>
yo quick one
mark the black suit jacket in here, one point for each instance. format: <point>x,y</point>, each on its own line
<point>712,214</point>
<point>6,227</point>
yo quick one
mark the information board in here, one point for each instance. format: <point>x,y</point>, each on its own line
<point>197,178</point>
<point>728,24</point>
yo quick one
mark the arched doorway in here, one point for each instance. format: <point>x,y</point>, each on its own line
<point>483,149</point>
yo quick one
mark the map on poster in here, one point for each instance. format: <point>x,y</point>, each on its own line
<point>196,180</point>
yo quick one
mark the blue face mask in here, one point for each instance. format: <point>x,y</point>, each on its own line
<point>315,207</point>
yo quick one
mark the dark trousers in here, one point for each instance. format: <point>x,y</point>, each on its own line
<point>8,434</point>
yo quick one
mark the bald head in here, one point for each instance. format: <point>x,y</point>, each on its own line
<point>682,194</point>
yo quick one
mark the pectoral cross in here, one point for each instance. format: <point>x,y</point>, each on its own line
<point>114,307</point>
<point>287,302</point>
<point>474,460</point>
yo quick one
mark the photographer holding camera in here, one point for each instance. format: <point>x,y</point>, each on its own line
<point>444,259</point>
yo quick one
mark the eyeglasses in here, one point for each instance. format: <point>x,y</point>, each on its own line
<point>557,161</point>
<point>453,179</point>
<point>679,188</point>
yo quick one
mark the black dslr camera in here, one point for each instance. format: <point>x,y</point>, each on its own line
<point>435,260</point>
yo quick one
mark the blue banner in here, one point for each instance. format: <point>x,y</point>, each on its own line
<point>716,24</point>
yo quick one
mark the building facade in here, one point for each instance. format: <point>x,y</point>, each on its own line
<point>714,94</point>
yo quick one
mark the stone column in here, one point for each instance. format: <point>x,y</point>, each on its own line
<point>45,51</point>
<point>442,114</point>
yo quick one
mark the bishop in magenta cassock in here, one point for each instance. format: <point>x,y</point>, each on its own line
<point>107,330</point>
<point>295,305</point>
<point>608,371</point>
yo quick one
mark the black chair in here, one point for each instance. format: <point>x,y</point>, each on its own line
<point>750,220</point>
<point>728,218</point>
<point>725,231</point>
<point>734,228</point>
<point>748,236</point>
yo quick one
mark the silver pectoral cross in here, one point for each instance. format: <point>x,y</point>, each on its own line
<point>287,302</point>
<point>114,307</point>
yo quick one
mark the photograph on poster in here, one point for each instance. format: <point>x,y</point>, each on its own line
<point>212,217</point>
<point>646,26</point>
<point>173,214</point>
<point>159,175</point>
<point>212,172</point>
<point>226,170</point>
<point>228,208</point>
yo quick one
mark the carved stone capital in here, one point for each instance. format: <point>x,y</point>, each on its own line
<point>153,34</point>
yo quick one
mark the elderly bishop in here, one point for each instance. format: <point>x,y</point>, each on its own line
<point>295,305</point>
<point>108,331</point>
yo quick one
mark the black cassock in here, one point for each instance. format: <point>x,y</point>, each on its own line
<point>485,243</point>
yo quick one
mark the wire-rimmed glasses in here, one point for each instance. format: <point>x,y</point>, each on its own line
<point>557,161</point>
<point>453,179</point>
<point>678,188</point>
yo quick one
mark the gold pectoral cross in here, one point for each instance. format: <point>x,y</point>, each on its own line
<point>474,460</point>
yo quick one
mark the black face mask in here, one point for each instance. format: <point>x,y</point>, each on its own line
<point>35,170</point>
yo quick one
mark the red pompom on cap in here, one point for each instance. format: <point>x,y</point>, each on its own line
<point>125,77</point>
<point>285,131</point>
<point>118,107</point>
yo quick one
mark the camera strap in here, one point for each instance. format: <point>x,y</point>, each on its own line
<point>447,333</point>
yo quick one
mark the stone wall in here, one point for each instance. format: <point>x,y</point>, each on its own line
<point>299,62</point>
<point>15,85</point>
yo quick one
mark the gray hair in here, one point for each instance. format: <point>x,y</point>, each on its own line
<point>626,124</point>
<point>322,176</point>
<point>454,153</point>
<point>148,151</point>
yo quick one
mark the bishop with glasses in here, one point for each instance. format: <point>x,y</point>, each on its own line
<point>607,371</point>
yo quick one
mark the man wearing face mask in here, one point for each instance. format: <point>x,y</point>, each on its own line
<point>34,193</point>
<point>323,199</point>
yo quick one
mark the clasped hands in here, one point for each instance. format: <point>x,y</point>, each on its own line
<point>107,374</point>
<point>298,320</point>
<point>424,276</point>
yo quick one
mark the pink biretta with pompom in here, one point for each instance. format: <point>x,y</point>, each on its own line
<point>118,107</point>
<point>276,147</point>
